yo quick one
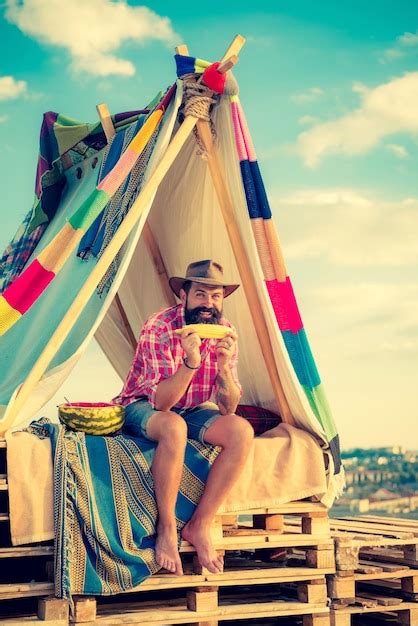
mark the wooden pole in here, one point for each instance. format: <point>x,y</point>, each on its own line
<point>246,273</point>
<point>98,272</point>
<point>106,120</point>
<point>235,47</point>
<point>159,265</point>
<point>124,318</point>
<point>182,50</point>
<point>244,268</point>
<point>225,66</point>
<point>150,241</point>
<point>110,132</point>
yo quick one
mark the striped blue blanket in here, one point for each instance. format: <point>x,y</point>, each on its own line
<point>104,507</point>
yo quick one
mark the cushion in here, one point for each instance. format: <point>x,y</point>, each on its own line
<point>260,419</point>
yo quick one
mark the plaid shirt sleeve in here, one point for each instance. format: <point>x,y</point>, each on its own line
<point>158,361</point>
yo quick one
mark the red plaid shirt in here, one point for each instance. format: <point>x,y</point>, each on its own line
<point>159,355</point>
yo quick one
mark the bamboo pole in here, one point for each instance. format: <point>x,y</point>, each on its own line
<point>98,272</point>
<point>246,274</point>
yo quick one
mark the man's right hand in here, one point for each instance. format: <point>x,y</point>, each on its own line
<point>191,342</point>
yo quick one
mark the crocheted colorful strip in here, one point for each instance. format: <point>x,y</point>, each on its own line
<point>278,284</point>
<point>59,135</point>
<point>189,65</point>
<point>28,287</point>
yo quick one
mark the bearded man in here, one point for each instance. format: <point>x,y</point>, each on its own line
<point>167,397</point>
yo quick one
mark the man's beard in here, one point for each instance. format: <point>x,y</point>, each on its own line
<point>193,316</point>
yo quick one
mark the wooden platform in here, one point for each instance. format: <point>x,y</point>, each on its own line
<point>392,540</point>
<point>289,564</point>
<point>376,559</point>
<point>405,614</point>
<point>257,581</point>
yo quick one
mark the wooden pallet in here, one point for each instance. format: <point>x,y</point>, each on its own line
<point>246,543</point>
<point>374,538</point>
<point>388,582</point>
<point>405,614</point>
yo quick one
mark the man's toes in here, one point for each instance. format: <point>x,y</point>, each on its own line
<point>219,563</point>
<point>211,567</point>
<point>179,569</point>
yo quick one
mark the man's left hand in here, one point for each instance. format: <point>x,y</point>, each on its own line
<point>225,348</point>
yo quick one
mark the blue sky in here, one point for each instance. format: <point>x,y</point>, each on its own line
<point>330,92</point>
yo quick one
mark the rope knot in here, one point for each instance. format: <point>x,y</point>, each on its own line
<point>197,101</point>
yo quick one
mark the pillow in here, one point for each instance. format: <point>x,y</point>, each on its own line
<point>92,418</point>
<point>260,419</point>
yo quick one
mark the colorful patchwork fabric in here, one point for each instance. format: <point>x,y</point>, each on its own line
<point>105,512</point>
<point>59,135</point>
<point>101,232</point>
<point>21,294</point>
<point>92,241</point>
<point>19,250</point>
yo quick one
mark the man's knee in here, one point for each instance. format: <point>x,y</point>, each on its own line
<point>241,429</point>
<point>234,431</point>
<point>167,426</point>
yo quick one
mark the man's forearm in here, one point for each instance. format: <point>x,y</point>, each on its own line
<point>228,394</point>
<point>170,390</point>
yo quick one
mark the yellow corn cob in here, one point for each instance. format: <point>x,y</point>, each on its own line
<point>206,331</point>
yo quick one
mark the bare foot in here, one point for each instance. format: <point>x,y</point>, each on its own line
<point>198,534</point>
<point>166,550</point>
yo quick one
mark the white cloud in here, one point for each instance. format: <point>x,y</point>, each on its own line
<point>10,88</point>
<point>372,317</point>
<point>384,110</point>
<point>308,119</point>
<point>408,39</point>
<point>359,87</point>
<point>311,94</point>
<point>392,53</point>
<point>261,40</point>
<point>92,32</point>
<point>403,47</point>
<point>399,151</point>
<point>347,228</point>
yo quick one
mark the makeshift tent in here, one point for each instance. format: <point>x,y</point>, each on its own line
<point>178,181</point>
